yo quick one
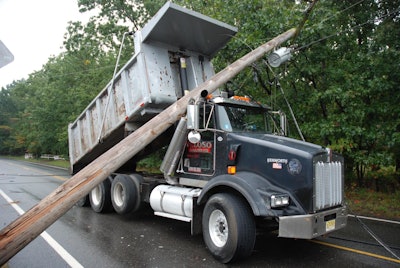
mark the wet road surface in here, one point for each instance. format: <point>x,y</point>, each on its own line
<point>89,239</point>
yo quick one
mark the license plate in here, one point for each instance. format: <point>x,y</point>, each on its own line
<point>330,225</point>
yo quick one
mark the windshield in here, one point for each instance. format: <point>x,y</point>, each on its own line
<point>241,119</point>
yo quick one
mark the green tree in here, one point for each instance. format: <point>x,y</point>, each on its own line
<point>342,81</point>
<point>345,81</point>
<point>7,115</point>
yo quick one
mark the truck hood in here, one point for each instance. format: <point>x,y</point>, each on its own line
<point>278,142</point>
<point>286,163</point>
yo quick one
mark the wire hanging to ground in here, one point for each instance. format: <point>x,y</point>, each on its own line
<point>278,85</point>
<point>373,235</point>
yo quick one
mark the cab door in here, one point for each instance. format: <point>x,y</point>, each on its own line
<point>199,158</point>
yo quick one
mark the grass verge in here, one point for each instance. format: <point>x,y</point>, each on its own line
<point>50,162</point>
<point>365,202</point>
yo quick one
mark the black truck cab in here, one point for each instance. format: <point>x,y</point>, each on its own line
<point>242,149</point>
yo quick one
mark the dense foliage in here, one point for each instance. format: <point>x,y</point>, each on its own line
<point>342,82</point>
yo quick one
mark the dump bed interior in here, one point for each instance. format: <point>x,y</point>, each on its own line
<point>150,81</point>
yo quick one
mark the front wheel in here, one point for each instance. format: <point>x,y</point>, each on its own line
<point>229,228</point>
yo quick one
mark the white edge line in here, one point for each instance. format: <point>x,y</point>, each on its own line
<point>374,219</point>
<point>50,240</point>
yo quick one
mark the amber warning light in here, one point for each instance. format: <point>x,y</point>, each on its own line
<point>231,170</point>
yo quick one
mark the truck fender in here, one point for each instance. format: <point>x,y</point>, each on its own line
<point>251,186</point>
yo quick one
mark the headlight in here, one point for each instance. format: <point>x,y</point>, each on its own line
<point>279,201</point>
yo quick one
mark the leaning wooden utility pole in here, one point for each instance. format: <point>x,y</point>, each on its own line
<point>27,227</point>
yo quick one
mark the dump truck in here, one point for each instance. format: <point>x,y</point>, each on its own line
<point>228,166</point>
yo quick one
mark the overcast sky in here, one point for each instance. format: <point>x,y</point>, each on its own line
<point>33,30</point>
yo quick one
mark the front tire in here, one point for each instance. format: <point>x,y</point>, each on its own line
<point>229,228</point>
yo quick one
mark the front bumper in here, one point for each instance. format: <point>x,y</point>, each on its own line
<point>312,225</point>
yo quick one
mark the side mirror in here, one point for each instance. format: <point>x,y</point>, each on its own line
<point>283,120</point>
<point>192,116</point>
<point>280,130</point>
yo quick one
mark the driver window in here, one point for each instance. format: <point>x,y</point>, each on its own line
<point>206,118</point>
<point>223,119</point>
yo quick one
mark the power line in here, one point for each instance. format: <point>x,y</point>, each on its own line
<point>297,49</point>
<point>375,20</point>
<point>341,11</point>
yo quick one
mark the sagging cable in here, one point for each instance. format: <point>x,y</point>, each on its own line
<point>373,235</point>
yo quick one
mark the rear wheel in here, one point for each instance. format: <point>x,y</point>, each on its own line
<point>125,195</point>
<point>100,197</point>
<point>229,228</point>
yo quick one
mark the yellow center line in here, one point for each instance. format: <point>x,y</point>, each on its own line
<point>355,251</point>
<point>59,178</point>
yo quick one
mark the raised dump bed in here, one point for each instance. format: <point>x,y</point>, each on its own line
<point>172,54</point>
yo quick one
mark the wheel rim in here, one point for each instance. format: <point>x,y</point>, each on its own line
<point>96,195</point>
<point>218,228</point>
<point>119,194</point>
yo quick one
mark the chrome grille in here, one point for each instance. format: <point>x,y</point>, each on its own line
<point>328,185</point>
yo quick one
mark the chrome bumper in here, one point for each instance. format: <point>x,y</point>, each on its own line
<point>312,225</point>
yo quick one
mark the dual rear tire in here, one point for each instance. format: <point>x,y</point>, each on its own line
<point>100,197</point>
<point>125,194</point>
<point>120,193</point>
<point>229,228</point>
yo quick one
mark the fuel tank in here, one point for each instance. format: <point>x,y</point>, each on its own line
<point>173,200</point>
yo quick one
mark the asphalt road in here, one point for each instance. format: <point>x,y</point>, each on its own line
<point>83,238</point>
